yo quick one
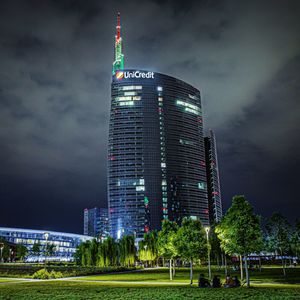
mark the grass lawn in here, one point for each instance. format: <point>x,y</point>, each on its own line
<point>267,276</point>
<point>7,280</point>
<point>77,290</point>
<point>268,285</point>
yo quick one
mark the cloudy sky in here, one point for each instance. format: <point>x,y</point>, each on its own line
<point>55,73</point>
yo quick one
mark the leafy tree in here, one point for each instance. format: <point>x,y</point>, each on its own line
<point>126,250</point>
<point>278,236</point>
<point>191,242</point>
<point>93,249</point>
<point>21,252</point>
<point>239,231</point>
<point>36,249</point>
<point>107,253</point>
<point>166,242</point>
<point>295,240</point>
<point>148,247</point>
<point>50,249</point>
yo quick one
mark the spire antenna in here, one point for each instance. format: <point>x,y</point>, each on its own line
<point>118,63</point>
<point>118,26</point>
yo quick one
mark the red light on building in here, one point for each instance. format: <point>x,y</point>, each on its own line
<point>146,228</point>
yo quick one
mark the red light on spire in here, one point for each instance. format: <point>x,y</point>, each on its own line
<point>118,27</point>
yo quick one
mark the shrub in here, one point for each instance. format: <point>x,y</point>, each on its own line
<point>56,275</point>
<point>44,274</point>
<point>41,274</point>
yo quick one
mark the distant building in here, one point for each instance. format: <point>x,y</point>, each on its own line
<point>96,222</point>
<point>213,181</point>
<point>65,243</point>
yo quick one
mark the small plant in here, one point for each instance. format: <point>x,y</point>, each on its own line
<point>44,274</point>
<point>41,274</point>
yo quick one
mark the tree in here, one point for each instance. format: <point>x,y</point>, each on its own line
<point>36,249</point>
<point>295,240</point>
<point>93,249</point>
<point>21,252</point>
<point>166,242</point>
<point>240,232</point>
<point>107,253</point>
<point>148,247</point>
<point>278,236</point>
<point>126,250</point>
<point>191,242</point>
<point>50,249</point>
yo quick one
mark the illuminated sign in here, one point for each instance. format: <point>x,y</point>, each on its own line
<point>134,74</point>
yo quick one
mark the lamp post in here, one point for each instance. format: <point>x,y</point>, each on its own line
<point>10,255</point>
<point>46,236</point>
<point>1,251</point>
<point>207,228</point>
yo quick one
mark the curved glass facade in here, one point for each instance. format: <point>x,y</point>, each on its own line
<point>65,243</point>
<point>156,157</point>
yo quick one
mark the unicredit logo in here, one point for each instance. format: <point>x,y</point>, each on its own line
<point>134,74</point>
<point>119,74</point>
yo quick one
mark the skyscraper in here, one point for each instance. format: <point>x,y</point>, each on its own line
<point>213,181</point>
<point>156,153</point>
<point>96,222</point>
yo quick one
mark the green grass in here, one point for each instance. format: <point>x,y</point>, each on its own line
<point>268,284</point>
<point>267,276</point>
<point>55,290</point>
<point>7,280</point>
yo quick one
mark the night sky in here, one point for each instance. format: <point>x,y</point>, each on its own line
<point>55,73</point>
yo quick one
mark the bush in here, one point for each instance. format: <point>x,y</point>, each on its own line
<point>44,274</point>
<point>56,275</point>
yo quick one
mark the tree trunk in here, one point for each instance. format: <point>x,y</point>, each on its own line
<point>225,264</point>
<point>247,272</point>
<point>174,265</point>
<point>170,266</point>
<point>282,262</point>
<point>191,272</point>
<point>222,259</point>
<point>218,261</point>
<point>259,263</point>
<point>241,267</point>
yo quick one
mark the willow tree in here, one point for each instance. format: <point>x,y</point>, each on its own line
<point>148,247</point>
<point>126,251</point>
<point>240,232</point>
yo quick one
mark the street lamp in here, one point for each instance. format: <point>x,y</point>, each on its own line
<point>207,228</point>
<point>1,251</point>
<point>46,236</point>
<point>10,255</point>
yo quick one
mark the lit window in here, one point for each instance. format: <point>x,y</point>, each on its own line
<point>130,87</point>
<point>129,93</point>
<point>201,185</point>
<point>140,188</point>
<point>188,107</point>
<point>136,98</point>
<point>159,88</point>
<point>126,103</point>
<point>163,165</point>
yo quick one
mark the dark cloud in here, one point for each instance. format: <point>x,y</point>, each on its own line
<point>55,59</point>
